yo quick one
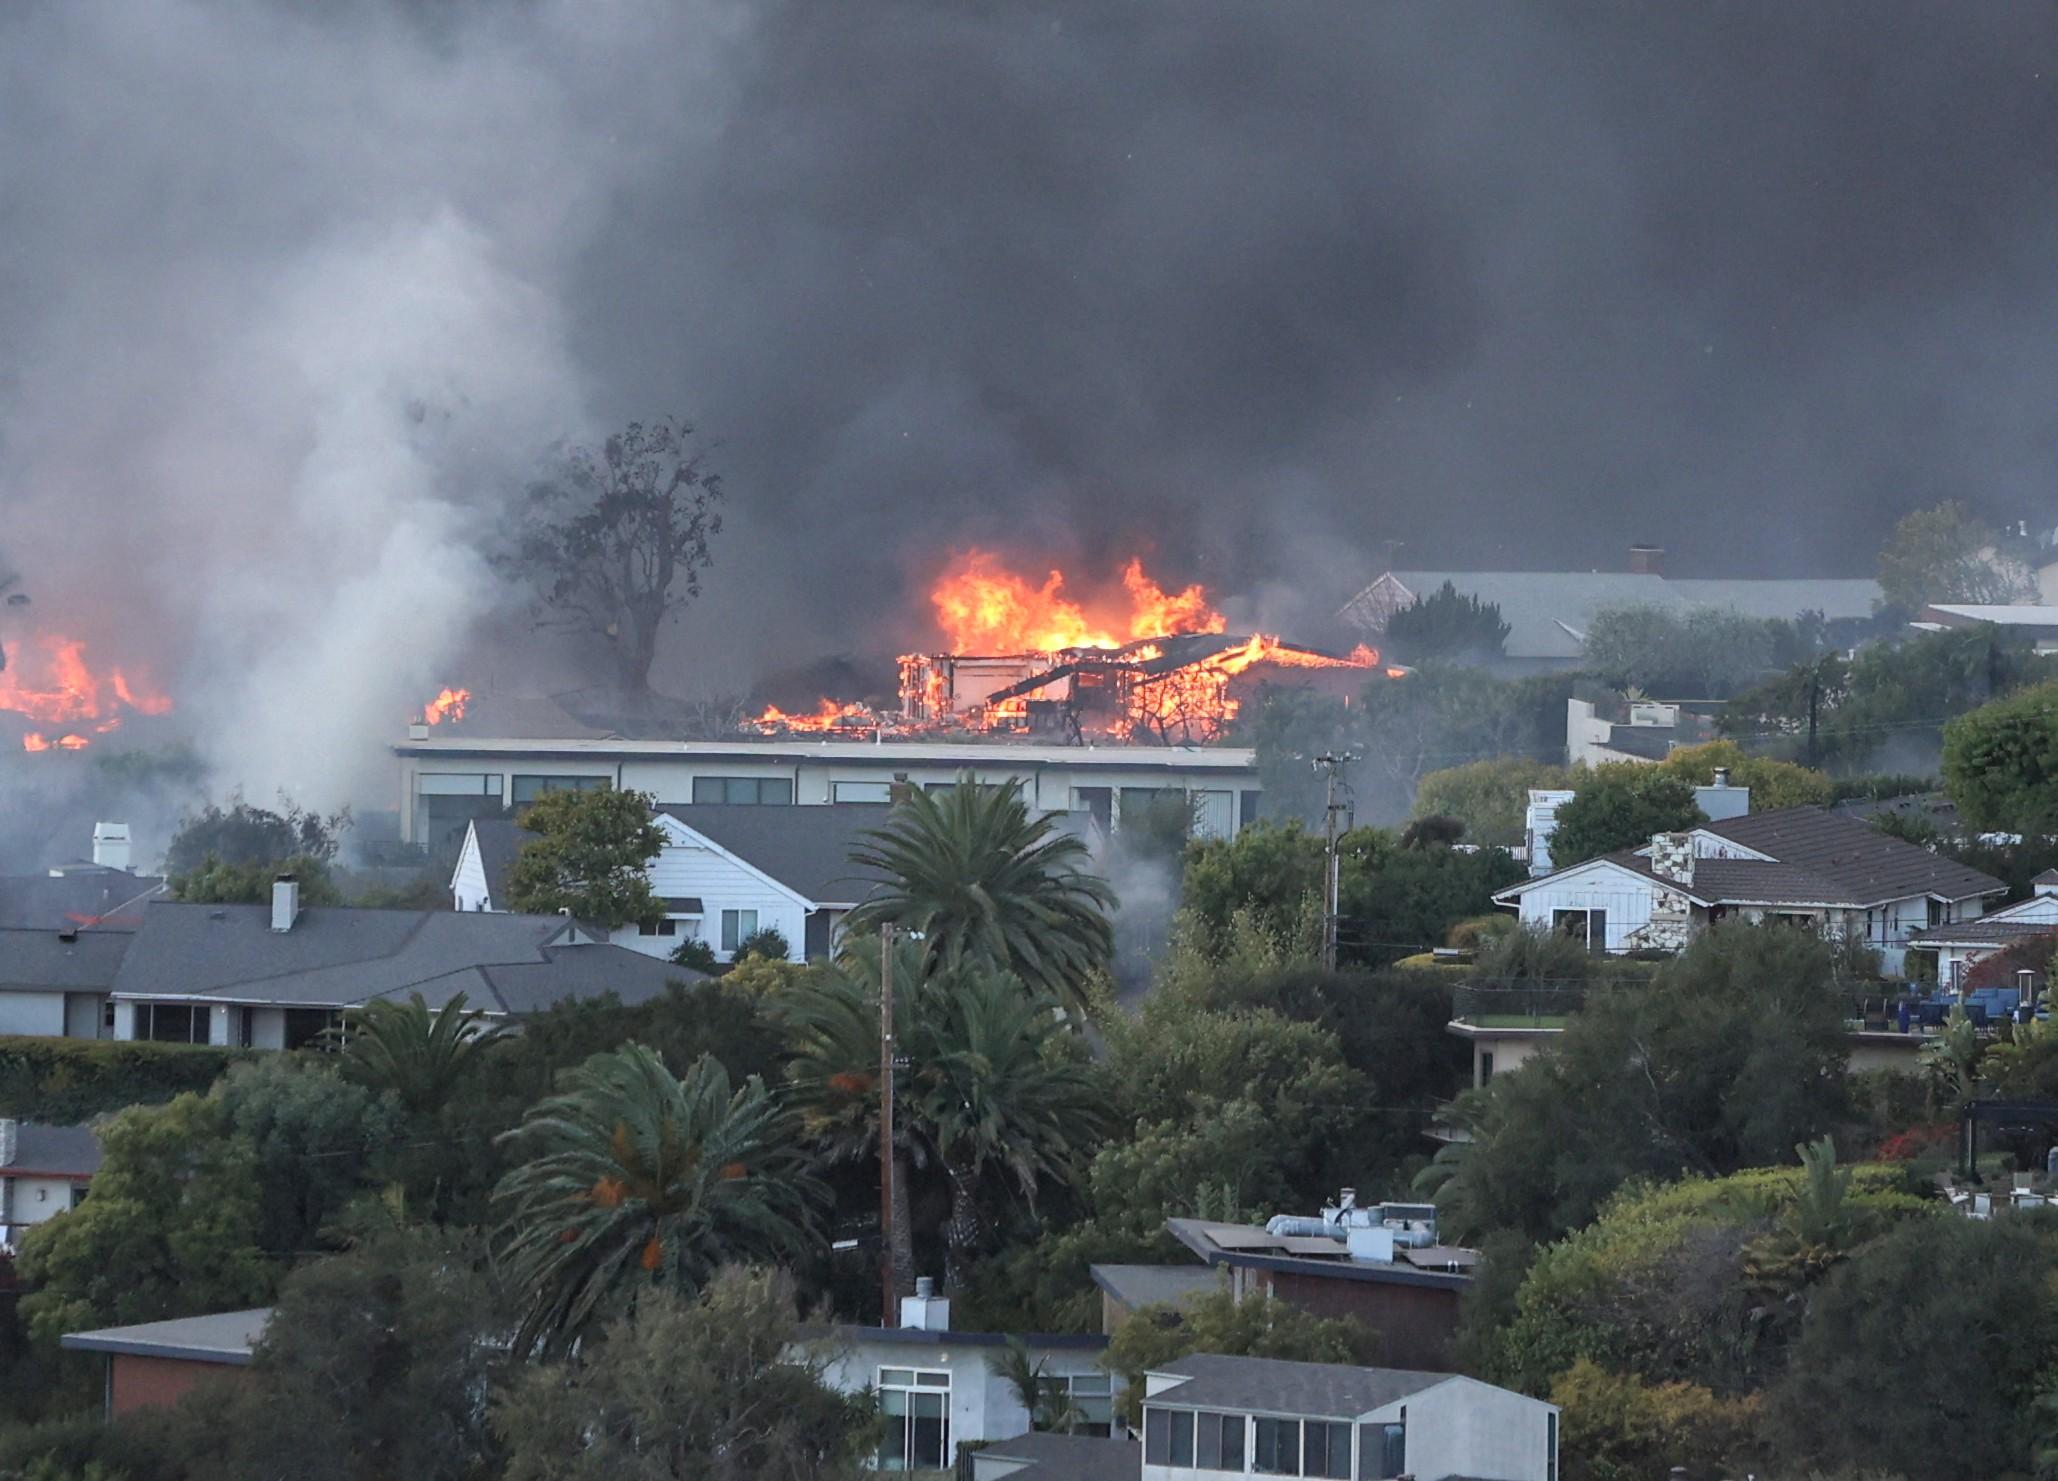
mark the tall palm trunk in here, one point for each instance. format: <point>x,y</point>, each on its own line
<point>965,1231</point>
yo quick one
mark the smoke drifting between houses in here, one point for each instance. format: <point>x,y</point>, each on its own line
<point>294,301</point>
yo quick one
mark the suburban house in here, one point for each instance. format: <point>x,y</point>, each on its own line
<point>1548,612</point>
<point>1381,1264</point>
<point>158,1363</point>
<point>63,934</point>
<point>277,976</point>
<point>1615,729</point>
<point>1803,865</point>
<point>44,1170</point>
<point>1960,945</point>
<point>457,774</point>
<point>727,870</point>
<point>938,1389</point>
<point>1213,1416</point>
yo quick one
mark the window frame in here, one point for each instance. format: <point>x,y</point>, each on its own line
<point>920,1383</point>
<point>733,933</point>
<point>733,788</point>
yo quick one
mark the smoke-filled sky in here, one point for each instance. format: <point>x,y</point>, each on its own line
<point>291,297</point>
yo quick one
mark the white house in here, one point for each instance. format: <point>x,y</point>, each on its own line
<point>1798,864</point>
<point>1208,1417</point>
<point>44,1170</point>
<point>938,1389</point>
<point>1958,946</point>
<point>726,871</point>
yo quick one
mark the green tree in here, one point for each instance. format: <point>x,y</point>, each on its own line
<point>1255,1327</point>
<point>1445,625</point>
<point>1491,798</point>
<point>1732,1053</point>
<point>418,1054</point>
<point>1945,554</point>
<point>1624,1427</point>
<point>2001,763</point>
<point>769,943</point>
<point>171,1230</point>
<point>1690,653</point>
<point>638,1178</point>
<point>1272,870</point>
<point>314,1139</point>
<point>1971,1299</point>
<point>982,880</point>
<point>244,834</point>
<point>1395,901</point>
<point>711,1386</point>
<point>590,855</point>
<point>612,542</point>
<point>1619,805</point>
<point>1773,783</point>
<point>376,1363</point>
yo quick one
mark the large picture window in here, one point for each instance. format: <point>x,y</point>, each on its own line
<point>1089,1396</point>
<point>744,790</point>
<point>173,1023</point>
<point>915,1405</point>
<point>1587,926</point>
<point>529,788</point>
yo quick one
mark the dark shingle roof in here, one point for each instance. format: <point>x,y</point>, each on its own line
<point>1054,1457</point>
<point>807,848</point>
<point>64,1151</point>
<point>1868,866</point>
<point>1271,1385</point>
<point>336,956</point>
<point>106,899</point>
<point>1154,1285</point>
<point>43,961</point>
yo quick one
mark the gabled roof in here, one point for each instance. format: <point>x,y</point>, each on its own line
<point>226,1337</point>
<point>54,1151</point>
<point>1274,1386</point>
<point>498,841</point>
<point>92,898</point>
<point>1867,865</point>
<point>337,957</point>
<point>42,960</point>
<point>1055,1457</point>
<point>807,848</point>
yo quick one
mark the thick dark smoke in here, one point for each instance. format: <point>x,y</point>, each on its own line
<point>290,297</point>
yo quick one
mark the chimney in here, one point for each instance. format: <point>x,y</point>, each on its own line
<point>925,1311</point>
<point>285,902</point>
<point>418,731</point>
<point>1672,857</point>
<point>10,1139</point>
<point>111,845</point>
<point>1721,776</point>
<point>1647,560</point>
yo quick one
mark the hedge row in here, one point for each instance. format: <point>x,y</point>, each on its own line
<point>63,1081</point>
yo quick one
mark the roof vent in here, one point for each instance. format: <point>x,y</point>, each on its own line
<point>69,933</point>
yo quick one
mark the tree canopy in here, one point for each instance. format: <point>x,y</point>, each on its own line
<point>2001,763</point>
<point>1690,653</point>
<point>1446,625</point>
<point>1773,783</point>
<point>230,855</point>
<point>1491,798</point>
<point>1619,805</point>
<point>612,542</point>
<point>1945,554</point>
<point>590,855</point>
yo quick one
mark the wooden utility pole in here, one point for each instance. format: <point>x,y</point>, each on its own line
<point>888,1316</point>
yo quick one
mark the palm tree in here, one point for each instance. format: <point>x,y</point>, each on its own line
<point>981,879</point>
<point>833,1029</point>
<point>641,1177</point>
<point>420,1054</point>
<point>993,1093</point>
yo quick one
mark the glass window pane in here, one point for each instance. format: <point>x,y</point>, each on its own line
<point>1232,1442</point>
<point>1207,1443</point>
<point>903,1377</point>
<point>1316,1462</point>
<point>1182,1438</point>
<point>1092,1383</point>
<point>922,1380</point>
<point>1157,1437</point>
<point>927,1405</point>
<point>1336,1452</point>
<point>775,789</point>
<point>707,789</point>
<point>927,1442</point>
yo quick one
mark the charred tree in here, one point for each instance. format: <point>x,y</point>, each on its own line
<point>615,540</point>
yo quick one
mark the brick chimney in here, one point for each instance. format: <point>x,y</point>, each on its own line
<point>1647,560</point>
<point>1672,857</point>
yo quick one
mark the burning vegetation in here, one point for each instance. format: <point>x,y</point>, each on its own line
<point>1022,657</point>
<point>63,700</point>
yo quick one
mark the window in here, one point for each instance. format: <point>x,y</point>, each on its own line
<point>172,1023</point>
<point>445,802</point>
<point>665,927</point>
<point>1214,814</point>
<point>529,788</point>
<point>1276,1450</point>
<point>1935,910</point>
<point>861,791</point>
<point>1329,1450</point>
<point>1383,1449</point>
<point>1089,1396</point>
<point>1485,1065</point>
<point>1098,802</point>
<point>1249,808</point>
<point>1589,926</point>
<point>736,926</point>
<point>916,1408</point>
<point>1550,1447</point>
<point>305,1025</point>
<point>1157,1437</point>
<point>744,790</point>
<point>1182,1438</point>
<point>1218,1442</point>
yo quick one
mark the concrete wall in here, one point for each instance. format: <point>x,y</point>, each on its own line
<point>39,1013</point>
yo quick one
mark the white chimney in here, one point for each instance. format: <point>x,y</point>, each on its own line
<point>285,902</point>
<point>925,1311</point>
<point>10,1139</point>
<point>111,845</point>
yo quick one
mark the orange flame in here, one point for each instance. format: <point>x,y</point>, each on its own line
<point>449,705</point>
<point>982,607</point>
<point>828,715</point>
<point>50,681</point>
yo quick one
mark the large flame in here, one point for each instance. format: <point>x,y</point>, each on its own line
<point>829,715</point>
<point>51,681</point>
<point>983,607</point>
<point>449,705</point>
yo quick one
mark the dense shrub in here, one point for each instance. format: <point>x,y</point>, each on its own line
<point>64,1081</point>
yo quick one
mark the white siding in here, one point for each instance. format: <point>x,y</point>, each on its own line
<point>694,870</point>
<point>1468,1428</point>
<point>468,888</point>
<point>26,1202</point>
<point>1626,897</point>
<point>40,1013</point>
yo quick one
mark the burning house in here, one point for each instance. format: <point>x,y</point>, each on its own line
<point>55,697</point>
<point>1027,660</point>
